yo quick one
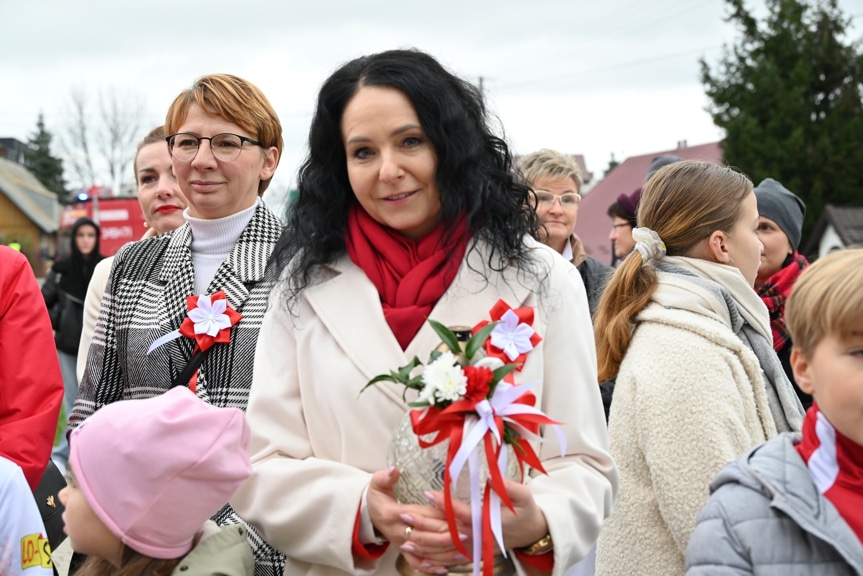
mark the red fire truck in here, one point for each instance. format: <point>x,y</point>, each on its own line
<point>119,218</point>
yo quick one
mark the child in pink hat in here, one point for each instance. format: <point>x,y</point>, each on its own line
<point>145,476</point>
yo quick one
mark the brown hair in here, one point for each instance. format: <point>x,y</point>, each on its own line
<point>235,100</point>
<point>154,136</point>
<point>684,203</point>
<point>133,563</point>
<point>552,164</point>
<point>826,299</point>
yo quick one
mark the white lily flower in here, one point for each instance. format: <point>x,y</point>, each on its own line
<point>209,317</point>
<point>511,336</point>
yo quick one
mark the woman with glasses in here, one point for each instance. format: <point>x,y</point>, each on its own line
<point>225,141</point>
<point>408,210</point>
<point>556,183</point>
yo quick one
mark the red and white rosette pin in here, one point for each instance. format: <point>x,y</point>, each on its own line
<point>209,321</point>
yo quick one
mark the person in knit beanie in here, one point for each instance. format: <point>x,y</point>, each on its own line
<point>144,478</point>
<point>783,207</point>
<point>794,505</point>
<point>780,226</point>
<point>659,162</point>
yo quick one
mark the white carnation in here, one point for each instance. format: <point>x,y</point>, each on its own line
<point>427,394</point>
<point>444,380</point>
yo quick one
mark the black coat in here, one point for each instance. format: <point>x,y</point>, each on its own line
<point>66,311</point>
<point>595,275</point>
<point>65,288</point>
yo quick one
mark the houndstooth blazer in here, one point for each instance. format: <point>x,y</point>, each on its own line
<point>146,298</point>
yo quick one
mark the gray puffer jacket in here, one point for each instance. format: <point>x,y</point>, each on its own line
<point>765,516</point>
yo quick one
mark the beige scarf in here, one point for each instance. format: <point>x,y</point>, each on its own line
<point>722,291</point>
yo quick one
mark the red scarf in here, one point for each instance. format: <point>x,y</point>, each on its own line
<point>836,465</point>
<point>775,291</point>
<point>410,275</point>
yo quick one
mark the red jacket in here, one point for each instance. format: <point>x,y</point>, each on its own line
<point>31,386</point>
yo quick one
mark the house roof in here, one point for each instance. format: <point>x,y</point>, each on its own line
<point>13,149</point>
<point>593,224</point>
<point>586,177</point>
<point>846,220</point>
<point>30,196</point>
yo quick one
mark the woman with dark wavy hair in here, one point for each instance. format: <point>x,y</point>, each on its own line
<point>472,164</point>
<point>407,210</point>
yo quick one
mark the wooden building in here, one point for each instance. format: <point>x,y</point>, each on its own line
<point>29,214</point>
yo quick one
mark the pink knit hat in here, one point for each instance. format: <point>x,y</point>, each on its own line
<point>154,470</point>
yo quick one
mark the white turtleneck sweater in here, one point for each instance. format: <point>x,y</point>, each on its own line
<point>212,242</point>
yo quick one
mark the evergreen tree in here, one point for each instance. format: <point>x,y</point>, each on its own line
<point>788,95</point>
<point>47,168</point>
<point>612,164</point>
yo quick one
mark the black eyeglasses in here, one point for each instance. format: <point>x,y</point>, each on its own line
<point>225,147</point>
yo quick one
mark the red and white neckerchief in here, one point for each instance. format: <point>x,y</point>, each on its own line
<point>836,465</point>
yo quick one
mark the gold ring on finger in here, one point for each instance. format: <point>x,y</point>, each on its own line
<point>408,531</point>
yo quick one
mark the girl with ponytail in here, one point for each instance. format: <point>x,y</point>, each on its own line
<point>689,343</point>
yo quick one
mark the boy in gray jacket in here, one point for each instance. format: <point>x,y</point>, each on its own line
<point>794,505</point>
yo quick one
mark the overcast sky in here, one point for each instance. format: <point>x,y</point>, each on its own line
<point>595,78</point>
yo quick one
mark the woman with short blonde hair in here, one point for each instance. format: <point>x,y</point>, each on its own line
<point>555,179</point>
<point>225,141</point>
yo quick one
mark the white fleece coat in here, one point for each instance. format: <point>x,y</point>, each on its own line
<point>690,397</point>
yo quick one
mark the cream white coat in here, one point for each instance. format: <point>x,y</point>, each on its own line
<point>316,440</point>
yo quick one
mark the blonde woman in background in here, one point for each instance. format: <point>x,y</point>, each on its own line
<point>556,182</point>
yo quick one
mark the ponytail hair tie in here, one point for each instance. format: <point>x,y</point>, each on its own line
<point>649,244</point>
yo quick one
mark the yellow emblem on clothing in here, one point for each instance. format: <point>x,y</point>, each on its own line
<point>35,551</point>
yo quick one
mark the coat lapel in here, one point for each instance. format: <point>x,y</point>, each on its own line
<point>178,275</point>
<point>245,266</point>
<point>348,305</point>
